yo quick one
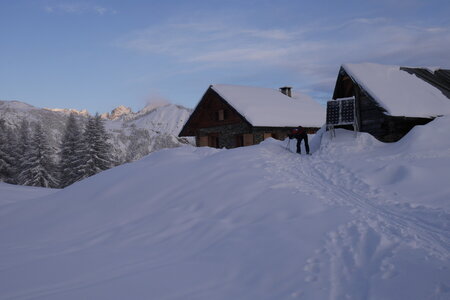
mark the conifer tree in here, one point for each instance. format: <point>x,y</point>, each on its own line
<point>11,148</point>
<point>97,151</point>
<point>138,145</point>
<point>6,154</point>
<point>71,153</point>
<point>103,157</point>
<point>22,147</point>
<point>23,140</point>
<point>37,167</point>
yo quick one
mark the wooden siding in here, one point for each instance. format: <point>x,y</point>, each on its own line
<point>208,114</point>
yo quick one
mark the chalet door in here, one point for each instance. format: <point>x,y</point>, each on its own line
<point>248,139</point>
<point>202,141</point>
<point>239,140</point>
<point>213,141</point>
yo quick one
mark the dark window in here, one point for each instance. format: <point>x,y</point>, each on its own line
<point>221,115</point>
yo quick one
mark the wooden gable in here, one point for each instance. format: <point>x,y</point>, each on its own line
<point>212,111</point>
<point>371,116</point>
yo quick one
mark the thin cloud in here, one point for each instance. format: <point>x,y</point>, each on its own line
<point>205,42</point>
<point>78,8</point>
<point>312,53</point>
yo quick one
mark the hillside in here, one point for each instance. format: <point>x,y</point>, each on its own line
<point>358,219</point>
<point>153,128</point>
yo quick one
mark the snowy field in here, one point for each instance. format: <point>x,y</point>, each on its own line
<point>358,219</point>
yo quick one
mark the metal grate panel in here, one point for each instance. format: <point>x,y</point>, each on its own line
<point>341,111</point>
<point>347,111</point>
<point>333,109</point>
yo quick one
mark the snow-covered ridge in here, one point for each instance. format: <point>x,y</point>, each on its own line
<point>69,111</point>
<point>16,105</point>
<point>358,219</point>
<point>152,128</point>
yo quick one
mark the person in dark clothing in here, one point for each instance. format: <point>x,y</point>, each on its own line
<point>300,134</point>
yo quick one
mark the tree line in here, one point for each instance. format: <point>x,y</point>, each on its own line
<point>26,157</point>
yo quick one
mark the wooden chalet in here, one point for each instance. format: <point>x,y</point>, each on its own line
<point>391,100</point>
<point>233,116</point>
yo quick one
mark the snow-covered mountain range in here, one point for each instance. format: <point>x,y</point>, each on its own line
<point>357,219</point>
<point>132,134</point>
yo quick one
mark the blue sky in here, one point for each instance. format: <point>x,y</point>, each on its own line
<point>101,54</point>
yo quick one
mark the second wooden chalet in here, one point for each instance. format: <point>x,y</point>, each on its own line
<point>391,100</point>
<point>232,116</point>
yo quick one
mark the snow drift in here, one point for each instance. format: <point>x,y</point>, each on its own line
<point>358,219</point>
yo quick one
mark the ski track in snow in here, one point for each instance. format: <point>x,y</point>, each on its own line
<point>362,248</point>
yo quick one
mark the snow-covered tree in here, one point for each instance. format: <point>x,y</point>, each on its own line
<point>37,167</point>
<point>7,158</point>
<point>97,151</point>
<point>22,146</point>
<point>72,151</point>
<point>138,146</point>
<point>11,147</point>
<point>23,139</point>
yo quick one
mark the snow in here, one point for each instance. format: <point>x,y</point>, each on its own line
<point>168,118</point>
<point>13,193</point>
<point>358,219</point>
<point>69,111</point>
<point>161,123</point>
<point>397,91</point>
<point>15,105</point>
<point>433,69</point>
<point>269,107</point>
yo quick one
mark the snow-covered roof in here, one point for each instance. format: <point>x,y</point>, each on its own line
<point>399,92</point>
<point>271,108</point>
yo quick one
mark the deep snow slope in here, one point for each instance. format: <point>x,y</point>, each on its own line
<point>358,219</point>
<point>12,193</point>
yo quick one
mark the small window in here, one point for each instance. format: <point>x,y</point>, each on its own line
<point>221,115</point>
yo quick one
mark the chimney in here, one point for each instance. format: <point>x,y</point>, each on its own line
<point>286,90</point>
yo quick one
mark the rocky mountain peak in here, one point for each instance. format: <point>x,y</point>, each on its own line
<point>117,112</point>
